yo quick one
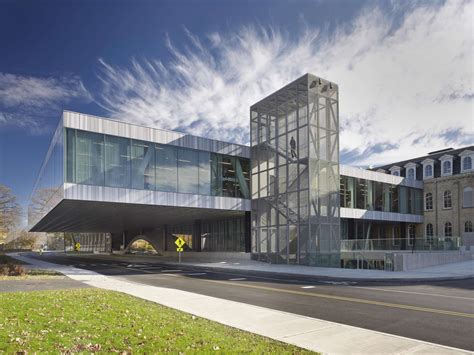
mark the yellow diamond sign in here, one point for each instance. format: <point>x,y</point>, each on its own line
<point>180,242</point>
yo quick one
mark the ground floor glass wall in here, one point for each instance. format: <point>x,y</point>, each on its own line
<point>227,235</point>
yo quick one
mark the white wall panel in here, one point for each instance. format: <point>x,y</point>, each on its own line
<point>127,130</point>
<point>148,197</point>
<point>380,216</point>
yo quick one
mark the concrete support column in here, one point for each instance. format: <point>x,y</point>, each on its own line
<point>197,232</point>
<point>165,232</point>
<point>247,232</point>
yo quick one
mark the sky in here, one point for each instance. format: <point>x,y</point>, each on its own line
<point>404,70</point>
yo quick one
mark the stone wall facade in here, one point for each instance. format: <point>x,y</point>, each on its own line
<point>458,214</point>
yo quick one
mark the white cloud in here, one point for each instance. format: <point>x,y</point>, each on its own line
<point>28,102</point>
<point>406,86</point>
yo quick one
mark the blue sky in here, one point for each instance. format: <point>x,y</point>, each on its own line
<point>404,70</point>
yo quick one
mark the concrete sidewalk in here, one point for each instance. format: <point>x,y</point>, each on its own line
<point>453,271</point>
<point>310,333</point>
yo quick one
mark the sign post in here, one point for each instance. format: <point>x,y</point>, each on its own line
<point>179,243</point>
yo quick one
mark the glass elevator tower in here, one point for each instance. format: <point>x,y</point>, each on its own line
<point>295,174</point>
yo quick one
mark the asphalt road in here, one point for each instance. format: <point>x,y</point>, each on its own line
<point>438,312</point>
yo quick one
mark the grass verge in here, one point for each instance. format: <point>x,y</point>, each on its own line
<point>34,274</point>
<point>92,320</point>
<point>14,269</point>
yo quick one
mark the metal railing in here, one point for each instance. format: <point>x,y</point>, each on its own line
<point>425,244</point>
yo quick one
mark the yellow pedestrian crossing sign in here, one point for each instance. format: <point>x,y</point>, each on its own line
<point>78,246</point>
<point>180,242</point>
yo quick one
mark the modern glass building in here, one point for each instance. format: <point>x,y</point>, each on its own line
<point>107,176</point>
<point>285,199</point>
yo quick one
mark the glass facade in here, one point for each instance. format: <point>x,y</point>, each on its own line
<point>379,196</point>
<point>214,235</point>
<point>223,235</point>
<point>46,192</point>
<point>295,174</point>
<point>104,160</point>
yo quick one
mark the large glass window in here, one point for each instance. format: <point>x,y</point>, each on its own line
<point>89,158</point>
<point>71,155</point>
<point>361,193</point>
<point>468,197</point>
<point>429,230</point>
<point>468,227</point>
<point>188,170</point>
<point>143,165</point>
<point>205,173</point>
<point>467,163</point>
<point>117,161</point>
<point>429,170</point>
<point>104,160</point>
<point>429,201</point>
<point>394,196</point>
<point>447,200</point>
<point>448,229</point>
<point>166,168</point>
<point>403,199</point>
<point>411,234</point>
<point>446,167</point>
<point>379,196</point>
<point>347,191</point>
<point>230,177</point>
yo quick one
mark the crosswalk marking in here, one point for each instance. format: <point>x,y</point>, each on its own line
<point>308,286</point>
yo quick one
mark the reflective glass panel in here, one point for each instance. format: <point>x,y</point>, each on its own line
<point>166,168</point>
<point>89,158</point>
<point>188,170</point>
<point>204,173</point>
<point>143,165</point>
<point>117,161</point>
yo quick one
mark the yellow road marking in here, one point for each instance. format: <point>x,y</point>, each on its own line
<point>412,292</point>
<point>338,298</point>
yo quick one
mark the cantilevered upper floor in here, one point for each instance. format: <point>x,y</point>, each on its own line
<point>93,161</point>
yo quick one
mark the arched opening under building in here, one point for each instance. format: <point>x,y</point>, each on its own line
<point>141,246</point>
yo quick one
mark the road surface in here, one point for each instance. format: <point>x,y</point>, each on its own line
<point>438,312</point>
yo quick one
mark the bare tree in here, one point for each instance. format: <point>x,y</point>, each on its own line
<point>10,212</point>
<point>22,239</point>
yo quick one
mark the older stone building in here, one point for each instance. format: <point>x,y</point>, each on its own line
<point>448,185</point>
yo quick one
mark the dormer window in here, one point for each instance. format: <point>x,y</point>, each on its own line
<point>410,169</point>
<point>428,168</point>
<point>428,171</point>
<point>395,170</point>
<point>467,163</point>
<point>447,168</point>
<point>446,165</point>
<point>467,157</point>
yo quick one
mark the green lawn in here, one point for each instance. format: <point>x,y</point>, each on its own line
<point>90,320</point>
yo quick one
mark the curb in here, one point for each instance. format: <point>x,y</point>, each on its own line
<point>293,275</point>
